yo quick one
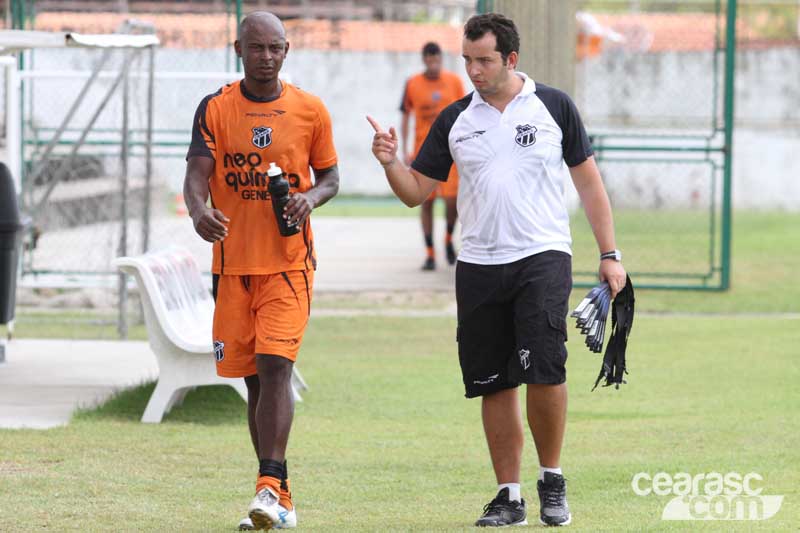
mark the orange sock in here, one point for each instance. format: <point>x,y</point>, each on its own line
<point>272,483</point>
<point>286,495</point>
<point>429,245</point>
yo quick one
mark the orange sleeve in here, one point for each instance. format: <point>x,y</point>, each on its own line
<point>323,153</point>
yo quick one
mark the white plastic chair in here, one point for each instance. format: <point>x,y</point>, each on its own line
<point>179,312</point>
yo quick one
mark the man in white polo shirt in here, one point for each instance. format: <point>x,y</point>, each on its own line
<point>514,143</point>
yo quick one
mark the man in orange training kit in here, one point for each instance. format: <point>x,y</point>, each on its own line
<point>426,94</point>
<point>262,280</point>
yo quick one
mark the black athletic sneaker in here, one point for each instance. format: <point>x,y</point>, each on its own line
<point>553,508</point>
<point>503,512</point>
<point>429,264</point>
<point>451,253</point>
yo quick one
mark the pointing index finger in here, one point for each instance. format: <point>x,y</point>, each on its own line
<point>374,124</point>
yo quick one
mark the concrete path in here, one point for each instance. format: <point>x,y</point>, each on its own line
<point>355,254</point>
<point>43,381</point>
<point>384,254</point>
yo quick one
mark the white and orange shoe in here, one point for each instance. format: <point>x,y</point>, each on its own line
<point>286,520</point>
<point>264,510</point>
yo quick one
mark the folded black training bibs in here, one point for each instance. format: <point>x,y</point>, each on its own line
<point>591,315</point>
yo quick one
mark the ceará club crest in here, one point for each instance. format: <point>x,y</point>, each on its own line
<point>262,136</point>
<point>526,135</point>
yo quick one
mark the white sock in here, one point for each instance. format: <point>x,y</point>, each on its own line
<point>543,469</point>
<point>513,491</point>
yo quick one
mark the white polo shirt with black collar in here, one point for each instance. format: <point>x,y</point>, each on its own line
<point>512,170</point>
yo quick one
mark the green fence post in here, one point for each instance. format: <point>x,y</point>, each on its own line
<point>730,66</point>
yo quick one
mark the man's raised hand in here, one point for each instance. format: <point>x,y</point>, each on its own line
<point>384,145</point>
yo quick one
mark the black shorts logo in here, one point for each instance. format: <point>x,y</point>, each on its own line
<point>486,380</point>
<point>525,358</point>
<point>526,135</point>
<point>262,136</point>
<point>219,350</point>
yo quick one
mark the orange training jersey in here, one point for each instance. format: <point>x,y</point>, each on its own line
<point>244,134</point>
<point>427,98</point>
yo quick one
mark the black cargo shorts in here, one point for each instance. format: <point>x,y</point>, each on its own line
<point>512,326</point>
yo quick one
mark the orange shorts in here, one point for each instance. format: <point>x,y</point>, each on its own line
<point>447,189</point>
<point>259,315</point>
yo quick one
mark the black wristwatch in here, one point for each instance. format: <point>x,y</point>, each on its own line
<point>616,255</point>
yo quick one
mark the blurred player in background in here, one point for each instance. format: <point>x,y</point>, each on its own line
<point>425,95</point>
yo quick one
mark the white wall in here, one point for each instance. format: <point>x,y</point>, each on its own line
<point>672,91</point>
<point>657,91</point>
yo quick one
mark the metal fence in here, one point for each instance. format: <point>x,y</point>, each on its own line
<point>663,139</point>
<point>666,152</point>
<point>86,203</point>
<point>653,80</point>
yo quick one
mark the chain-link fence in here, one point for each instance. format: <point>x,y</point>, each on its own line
<point>88,216</point>
<point>656,93</point>
<point>650,82</point>
<point>195,58</point>
<point>656,87</point>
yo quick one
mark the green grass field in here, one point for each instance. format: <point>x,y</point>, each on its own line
<point>385,440</point>
<point>765,275</point>
<point>765,251</point>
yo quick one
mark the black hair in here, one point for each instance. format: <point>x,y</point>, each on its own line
<point>501,26</point>
<point>431,49</point>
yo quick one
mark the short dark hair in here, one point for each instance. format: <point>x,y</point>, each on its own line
<point>431,49</point>
<point>503,28</point>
